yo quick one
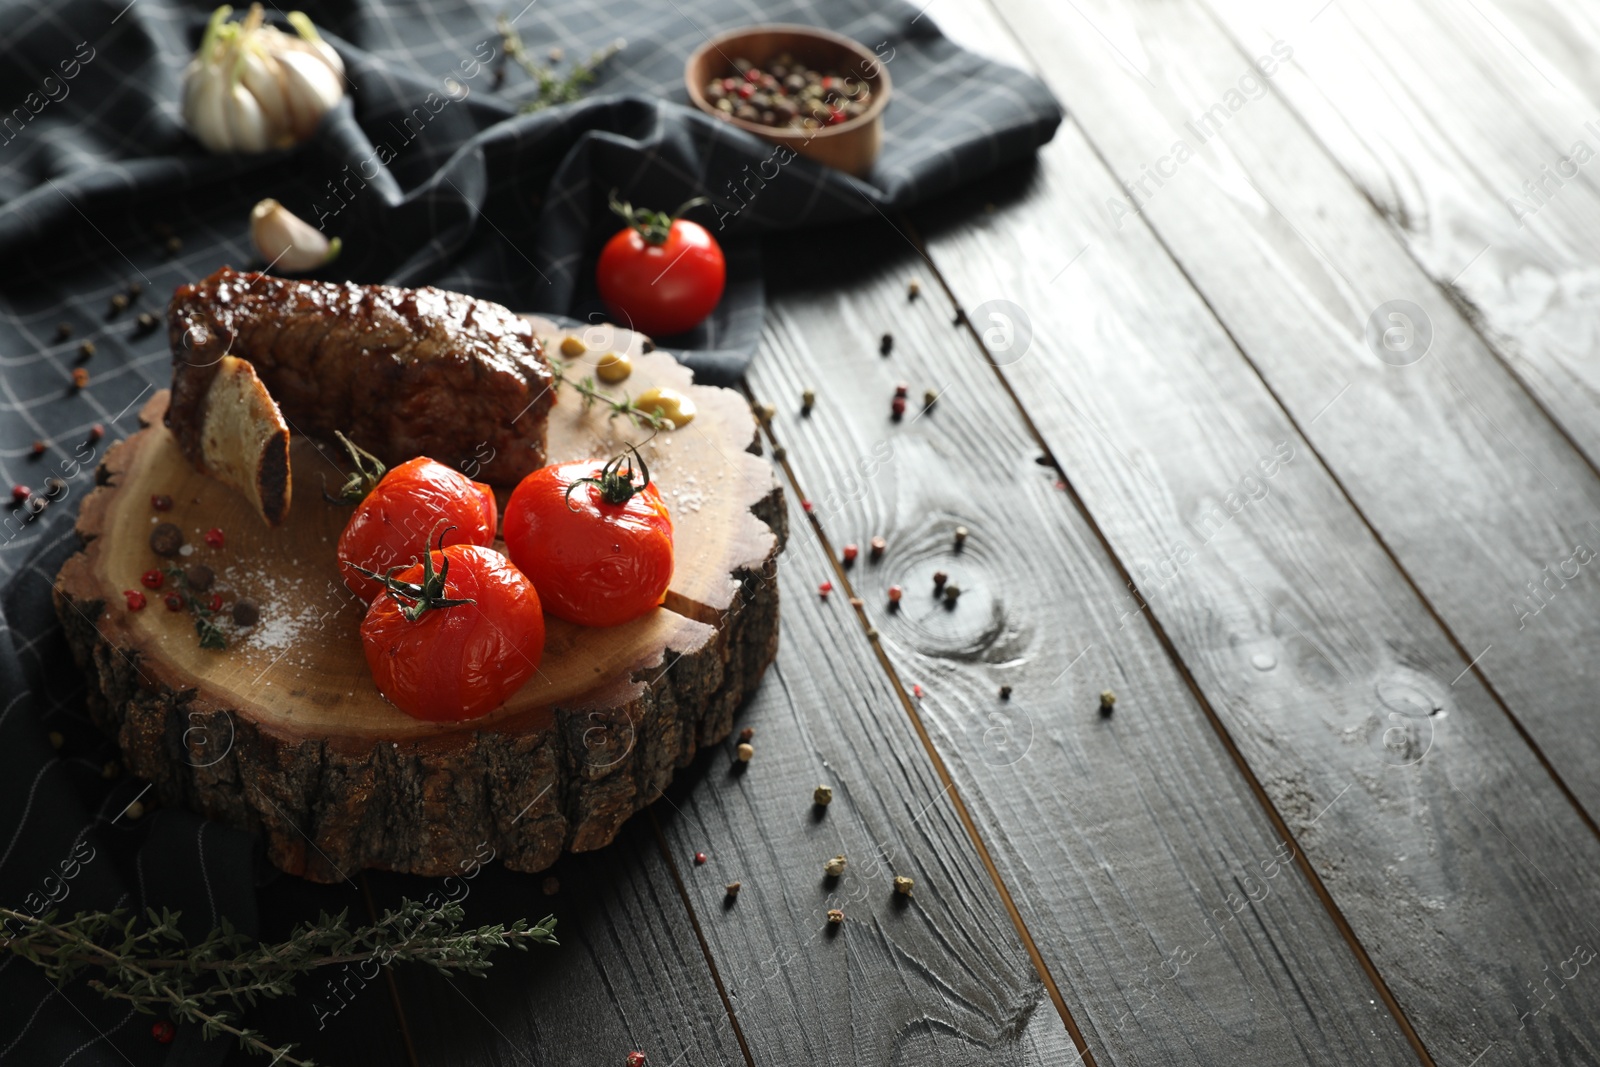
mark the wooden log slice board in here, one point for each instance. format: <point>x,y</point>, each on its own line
<point>284,732</point>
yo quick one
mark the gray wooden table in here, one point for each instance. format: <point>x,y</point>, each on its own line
<point>1270,401</point>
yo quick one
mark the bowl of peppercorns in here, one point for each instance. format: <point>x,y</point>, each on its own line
<point>813,92</point>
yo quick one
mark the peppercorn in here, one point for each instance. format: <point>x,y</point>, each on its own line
<point>134,289</point>
<point>951,593</point>
<point>173,601</point>
<point>902,390</point>
<point>824,589</point>
<point>699,858</point>
<point>215,603</point>
<point>245,612</point>
<point>748,733</point>
<point>780,453</point>
<point>886,344</point>
<point>152,578</point>
<point>834,867</point>
<point>746,751</point>
<point>614,367</point>
<point>199,577</point>
<point>808,506</point>
<point>961,536</point>
<point>134,598</point>
<point>163,1031</point>
<point>1005,692</point>
<point>1108,700</point>
<point>808,400</point>
<point>134,811</point>
<point>38,448</point>
<point>97,431</point>
<point>903,885</point>
<point>119,303</point>
<point>913,290</point>
<point>63,330</point>
<point>80,378</point>
<point>765,412</point>
<point>54,486</point>
<point>86,350</point>
<point>929,398</point>
<point>897,408</point>
<point>835,916</point>
<point>144,324</point>
<point>174,245</point>
<point>572,347</point>
<point>960,317</point>
<point>939,578</point>
<point>916,691</point>
<point>851,551</point>
<point>19,493</point>
<point>822,796</point>
<point>876,547</point>
<point>214,537</point>
<point>895,593</point>
<point>635,1059</point>
<point>161,502</point>
<point>732,889</point>
<point>166,539</point>
<point>37,505</point>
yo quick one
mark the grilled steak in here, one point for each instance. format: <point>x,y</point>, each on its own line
<point>402,372</point>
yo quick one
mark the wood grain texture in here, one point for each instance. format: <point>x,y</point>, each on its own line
<point>941,977</point>
<point>1461,868</point>
<point>1483,502</point>
<point>1455,119</point>
<point>1121,839</point>
<point>629,973</point>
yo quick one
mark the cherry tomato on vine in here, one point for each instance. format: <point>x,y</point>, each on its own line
<point>660,274</point>
<point>390,525</point>
<point>454,642</point>
<point>595,543</point>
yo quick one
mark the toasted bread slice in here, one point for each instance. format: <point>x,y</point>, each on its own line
<point>244,440</point>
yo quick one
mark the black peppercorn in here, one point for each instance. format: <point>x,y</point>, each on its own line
<point>245,612</point>
<point>166,539</point>
<point>199,577</point>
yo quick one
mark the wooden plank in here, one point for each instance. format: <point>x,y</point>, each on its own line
<point>1121,840</point>
<point>629,972</point>
<point>941,977</point>
<point>1454,465</point>
<point>1463,124</point>
<point>1459,865</point>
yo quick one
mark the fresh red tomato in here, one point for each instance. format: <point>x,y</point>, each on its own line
<point>596,544</point>
<point>660,274</point>
<point>391,525</point>
<point>456,642</point>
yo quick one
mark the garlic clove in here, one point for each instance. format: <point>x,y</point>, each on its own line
<point>259,73</point>
<point>207,112</point>
<point>310,38</point>
<point>313,89</point>
<point>286,241</point>
<point>247,125</point>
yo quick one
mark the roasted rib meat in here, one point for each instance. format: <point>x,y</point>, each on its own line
<point>402,372</point>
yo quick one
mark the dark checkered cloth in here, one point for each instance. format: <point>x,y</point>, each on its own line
<point>97,176</point>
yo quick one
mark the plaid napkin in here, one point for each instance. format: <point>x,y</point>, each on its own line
<point>101,188</point>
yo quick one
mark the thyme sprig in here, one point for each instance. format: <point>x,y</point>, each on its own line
<point>592,395</point>
<point>551,89</point>
<point>211,635</point>
<point>157,968</point>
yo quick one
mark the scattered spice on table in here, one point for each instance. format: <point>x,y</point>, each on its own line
<point>699,859</point>
<point>876,547</point>
<point>152,578</point>
<point>788,95</point>
<point>747,734</point>
<point>745,751</point>
<point>960,317</point>
<point>886,344</point>
<point>732,889</point>
<point>80,378</point>
<point>635,1059</point>
<point>96,432</point>
<point>913,289</point>
<point>135,599</point>
<point>246,612</point>
<point>961,536</point>
<point>929,398</point>
<point>163,1031</point>
<point>952,593</point>
<point>903,885</point>
<point>916,691</point>
<point>119,304</point>
<point>836,916</point>
<point>174,245</point>
<point>939,578</point>
<point>822,796</point>
<point>897,408</point>
<point>161,502</point>
<point>780,453</point>
<point>808,400</point>
<point>765,413</point>
<point>199,577</point>
<point>215,537</point>
<point>1108,700</point>
<point>145,324</point>
<point>834,867</point>
<point>86,350</point>
<point>63,330</point>
<point>173,601</point>
<point>895,593</point>
<point>808,506</point>
<point>134,810</point>
<point>166,539</point>
<point>1005,692</point>
<point>824,589</point>
<point>851,551</point>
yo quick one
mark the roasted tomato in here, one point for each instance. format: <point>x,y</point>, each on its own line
<point>454,642</point>
<point>595,543</point>
<point>660,274</point>
<point>392,523</point>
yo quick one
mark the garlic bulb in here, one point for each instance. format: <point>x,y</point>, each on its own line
<point>252,87</point>
<point>286,241</point>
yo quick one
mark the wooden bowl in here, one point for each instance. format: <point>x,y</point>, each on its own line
<point>850,146</point>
